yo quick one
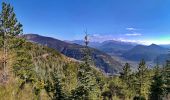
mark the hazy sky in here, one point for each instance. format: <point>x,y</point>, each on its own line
<point>126,20</point>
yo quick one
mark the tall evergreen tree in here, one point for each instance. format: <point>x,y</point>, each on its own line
<point>58,92</point>
<point>9,28</point>
<point>127,79</point>
<point>166,78</point>
<point>157,85</point>
<point>85,75</point>
<point>125,75</point>
<point>142,80</point>
<point>87,58</point>
<point>85,69</point>
<point>54,86</point>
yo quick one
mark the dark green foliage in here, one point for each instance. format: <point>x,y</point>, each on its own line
<point>157,89</point>
<point>116,90</point>
<point>9,28</point>
<point>80,93</point>
<point>85,75</point>
<point>100,83</point>
<point>166,78</point>
<point>142,80</point>
<point>126,74</point>
<point>139,98</point>
<point>54,87</point>
<point>58,93</point>
<point>127,78</point>
<point>107,95</point>
<point>23,66</point>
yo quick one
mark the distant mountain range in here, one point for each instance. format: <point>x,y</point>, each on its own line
<point>115,47</point>
<point>76,51</point>
<point>102,53</point>
<point>165,46</point>
<point>161,59</point>
<point>148,53</point>
<point>111,47</point>
<point>132,51</point>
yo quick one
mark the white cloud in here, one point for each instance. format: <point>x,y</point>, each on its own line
<point>144,42</point>
<point>133,34</point>
<point>131,29</point>
<point>95,35</point>
<point>101,38</point>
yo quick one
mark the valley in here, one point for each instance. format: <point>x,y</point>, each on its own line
<point>101,59</point>
<point>132,52</point>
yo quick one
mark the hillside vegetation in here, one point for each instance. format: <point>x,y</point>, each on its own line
<point>100,59</point>
<point>37,69</point>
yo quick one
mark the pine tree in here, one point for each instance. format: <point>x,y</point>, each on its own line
<point>115,90</point>
<point>23,66</point>
<point>142,80</point>
<point>85,75</point>
<point>125,75</point>
<point>157,85</point>
<point>166,78</point>
<point>9,28</point>
<point>87,58</point>
<point>127,79</point>
<point>54,86</point>
<point>80,93</point>
<point>58,92</point>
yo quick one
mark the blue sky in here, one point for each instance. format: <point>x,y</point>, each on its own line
<point>144,21</point>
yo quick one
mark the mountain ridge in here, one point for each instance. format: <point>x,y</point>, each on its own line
<point>101,59</point>
<point>148,53</point>
<point>111,47</point>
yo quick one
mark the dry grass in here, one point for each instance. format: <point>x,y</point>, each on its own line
<point>9,90</point>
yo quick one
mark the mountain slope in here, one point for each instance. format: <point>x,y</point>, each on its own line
<point>165,46</point>
<point>111,47</point>
<point>115,47</point>
<point>34,71</point>
<point>149,53</point>
<point>101,60</point>
<point>161,59</point>
<point>81,42</point>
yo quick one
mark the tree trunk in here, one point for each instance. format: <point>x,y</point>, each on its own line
<point>5,53</point>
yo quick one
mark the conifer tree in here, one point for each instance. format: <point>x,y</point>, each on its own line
<point>127,79</point>
<point>87,58</point>
<point>85,75</point>
<point>166,78</point>
<point>125,75</point>
<point>54,86</point>
<point>58,92</point>
<point>9,28</point>
<point>23,66</point>
<point>142,80</point>
<point>157,85</point>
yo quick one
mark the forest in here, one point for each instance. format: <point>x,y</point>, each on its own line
<point>30,71</point>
